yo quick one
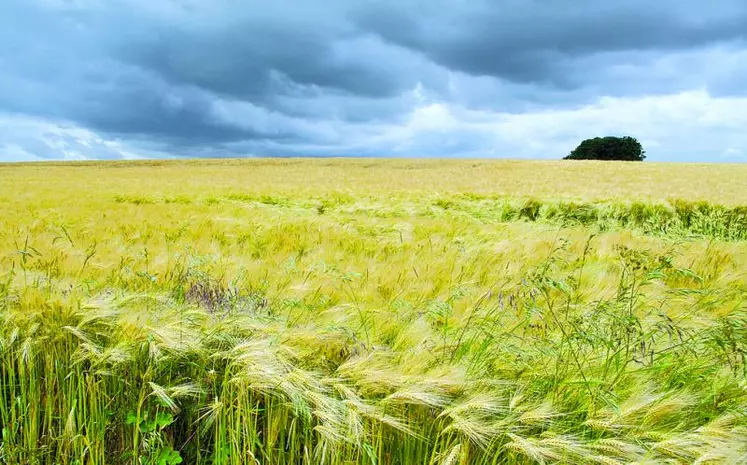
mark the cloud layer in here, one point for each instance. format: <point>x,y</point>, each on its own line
<point>507,78</point>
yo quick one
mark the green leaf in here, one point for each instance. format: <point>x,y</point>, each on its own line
<point>167,456</point>
<point>148,426</point>
<point>164,419</point>
<point>174,458</point>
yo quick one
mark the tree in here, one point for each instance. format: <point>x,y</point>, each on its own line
<point>609,148</point>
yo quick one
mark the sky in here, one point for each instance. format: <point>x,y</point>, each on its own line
<point>123,79</point>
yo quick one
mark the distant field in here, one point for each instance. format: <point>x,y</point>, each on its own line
<point>582,181</point>
<point>373,312</point>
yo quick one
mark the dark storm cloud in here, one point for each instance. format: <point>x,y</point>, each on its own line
<point>286,77</point>
<point>537,41</point>
<point>159,73</point>
<point>261,62</point>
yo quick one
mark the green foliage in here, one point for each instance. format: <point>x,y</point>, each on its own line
<point>150,425</point>
<point>609,148</point>
<point>165,456</point>
<point>153,448</point>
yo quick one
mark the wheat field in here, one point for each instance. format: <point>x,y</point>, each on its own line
<point>378,312</point>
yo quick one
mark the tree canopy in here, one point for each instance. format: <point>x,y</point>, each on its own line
<point>609,148</point>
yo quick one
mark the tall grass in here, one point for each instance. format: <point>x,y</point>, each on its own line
<point>348,328</point>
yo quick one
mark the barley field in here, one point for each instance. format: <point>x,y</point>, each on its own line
<point>378,312</point>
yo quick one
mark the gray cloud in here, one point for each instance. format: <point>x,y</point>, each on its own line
<point>537,41</point>
<point>223,77</point>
